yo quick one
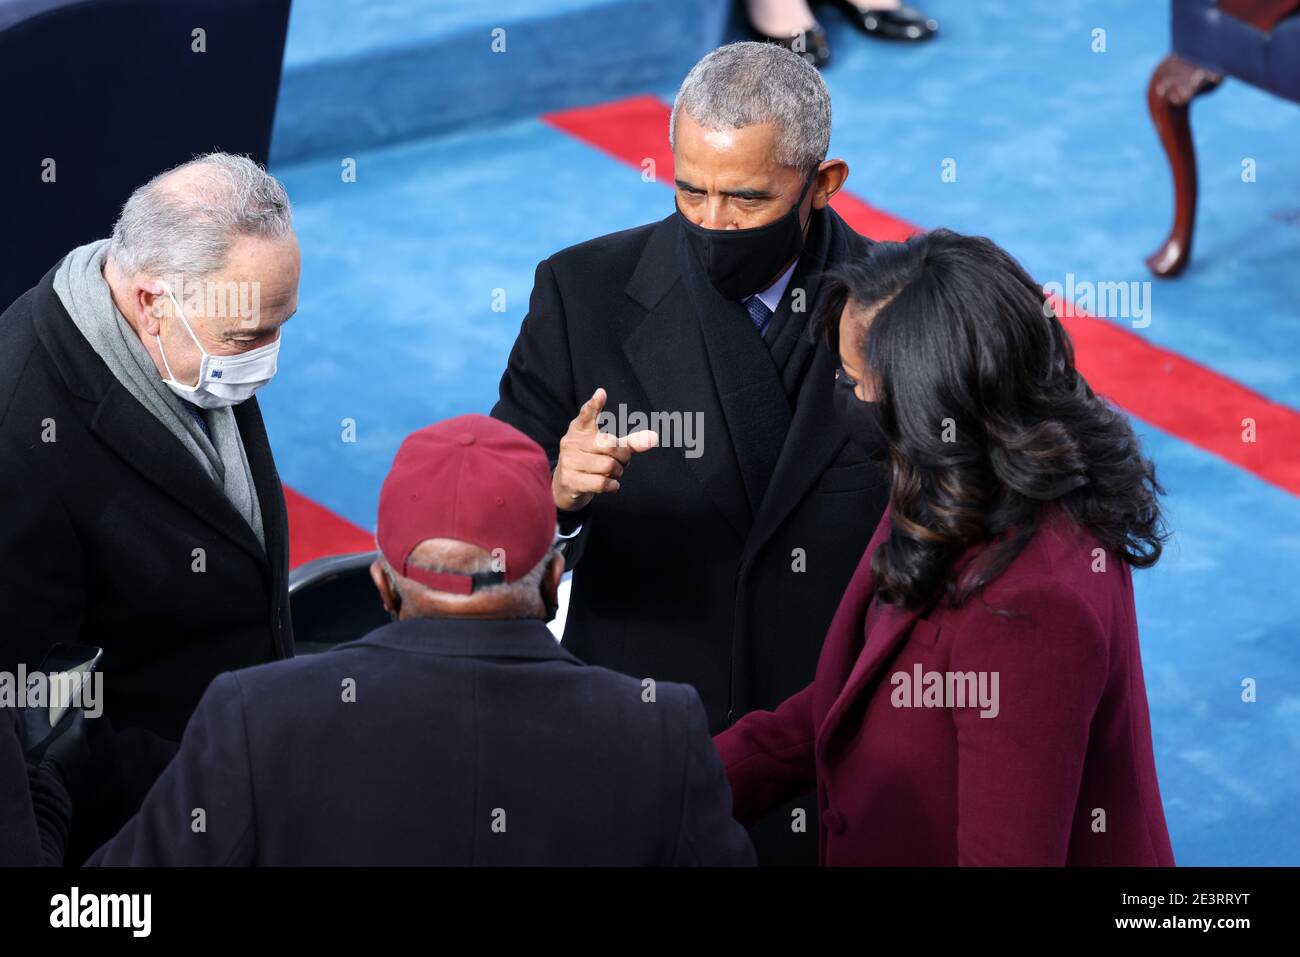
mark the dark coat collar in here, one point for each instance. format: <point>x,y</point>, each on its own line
<point>657,271</point>
<point>668,355</point>
<point>470,638</point>
<point>754,402</point>
<point>671,357</point>
<point>852,662</point>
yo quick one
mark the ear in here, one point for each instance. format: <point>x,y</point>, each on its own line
<point>383,585</point>
<point>151,302</point>
<point>551,580</point>
<point>830,177</point>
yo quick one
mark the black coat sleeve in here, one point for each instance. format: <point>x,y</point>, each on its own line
<point>709,835</point>
<point>19,840</point>
<point>537,392</point>
<point>41,601</point>
<point>200,810</point>
<point>52,808</point>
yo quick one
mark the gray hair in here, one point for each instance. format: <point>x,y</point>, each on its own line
<point>183,221</point>
<point>745,84</point>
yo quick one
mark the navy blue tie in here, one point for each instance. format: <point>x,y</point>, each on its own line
<point>197,415</point>
<point>758,312</point>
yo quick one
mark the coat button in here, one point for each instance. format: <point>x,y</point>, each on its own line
<point>834,821</point>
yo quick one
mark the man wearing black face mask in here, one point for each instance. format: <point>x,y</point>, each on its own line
<point>718,556</point>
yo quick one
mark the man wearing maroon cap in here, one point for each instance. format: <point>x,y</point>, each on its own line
<point>461,733</point>
<point>467,519</point>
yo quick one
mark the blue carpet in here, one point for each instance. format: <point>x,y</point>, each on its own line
<point>358,73</point>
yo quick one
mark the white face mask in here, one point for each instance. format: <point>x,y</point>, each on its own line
<point>223,380</point>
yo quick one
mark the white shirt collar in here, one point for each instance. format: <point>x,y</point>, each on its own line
<point>771,296</point>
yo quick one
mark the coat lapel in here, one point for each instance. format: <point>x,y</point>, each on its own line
<point>816,434</point>
<point>668,355</point>
<point>684,359</point>
<point>889,630</point>
<point>815,438</point>
<point>749,388</point>
<point>132,431</point>
<point>136,436</point>
<point>856,661</point>
<point>266,482</point>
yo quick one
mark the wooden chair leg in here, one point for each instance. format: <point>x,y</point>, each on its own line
<point>1174,84</point>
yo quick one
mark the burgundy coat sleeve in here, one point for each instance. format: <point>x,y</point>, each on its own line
<point>769,757</point>
<point>1018,771</point>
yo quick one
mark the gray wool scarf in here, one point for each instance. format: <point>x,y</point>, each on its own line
<point>81,287</point>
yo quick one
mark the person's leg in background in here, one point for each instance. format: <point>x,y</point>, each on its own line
<point>890,19</point>
<point>792,24</point>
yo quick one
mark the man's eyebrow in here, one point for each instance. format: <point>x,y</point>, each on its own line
<point>742,193</point>
<point>235,333</point>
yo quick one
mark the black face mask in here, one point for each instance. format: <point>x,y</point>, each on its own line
<point>861,419</point>
<point>741,262</point>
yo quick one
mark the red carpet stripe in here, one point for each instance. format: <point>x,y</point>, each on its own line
<point>1188,400</point>
<point>1173,393</point>
<point>635,131</point>
<point>315,531</point>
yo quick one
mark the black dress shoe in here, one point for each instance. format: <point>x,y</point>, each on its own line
<point>905,23</point>
<point>816,49</point>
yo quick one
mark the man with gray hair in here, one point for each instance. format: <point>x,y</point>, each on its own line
<point>140,509</point>
<point>720,568</point>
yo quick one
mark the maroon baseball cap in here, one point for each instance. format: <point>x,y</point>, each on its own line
<point>474,479</point>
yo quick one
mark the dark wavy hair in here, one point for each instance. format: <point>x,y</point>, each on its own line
<point>985,416</point>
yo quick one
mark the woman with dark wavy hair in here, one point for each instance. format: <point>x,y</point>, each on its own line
<point>979,698</point>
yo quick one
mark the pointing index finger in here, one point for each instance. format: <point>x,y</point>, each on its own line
<point>590,411</point>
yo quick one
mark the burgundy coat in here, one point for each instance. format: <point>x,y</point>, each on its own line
<point>1062,773</point>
